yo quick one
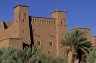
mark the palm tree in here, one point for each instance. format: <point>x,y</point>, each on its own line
<point>76,43</point>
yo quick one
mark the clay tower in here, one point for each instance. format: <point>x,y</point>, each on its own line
<point>21,20</point>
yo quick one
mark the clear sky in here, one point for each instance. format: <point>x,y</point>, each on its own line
<point>80,13</point>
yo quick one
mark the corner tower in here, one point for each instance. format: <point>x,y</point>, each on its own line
<point>21,21</point>
<point>61,29</point>
<point>60,17</point>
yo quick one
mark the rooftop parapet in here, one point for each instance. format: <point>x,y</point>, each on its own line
<point>20,5</point>
<point>59,11</point>
<point>41,17</point>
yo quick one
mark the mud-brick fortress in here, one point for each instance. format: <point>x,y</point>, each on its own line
<point>46,33</point>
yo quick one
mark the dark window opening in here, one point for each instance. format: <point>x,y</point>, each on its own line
<point>5,26</point>
<point>23,20</point>
<point>61,23</point>
<point>38,43</point>
<point>48,52</point>
<point>25,15</point>
<point>50,43</point>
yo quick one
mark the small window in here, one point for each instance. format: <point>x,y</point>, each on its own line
<point>25,15</point>
<point>50,43</point>
<point>23,31</point>
<point>48,52</point>
<point>23,20</point>
<point>61,23</point>
<point>38,42</point>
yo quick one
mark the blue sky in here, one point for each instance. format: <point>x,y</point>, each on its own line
<point>80,13</point>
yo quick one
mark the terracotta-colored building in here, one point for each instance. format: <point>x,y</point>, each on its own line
<point>46,33</point>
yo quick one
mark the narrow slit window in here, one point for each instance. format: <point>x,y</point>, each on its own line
<point>25,15</point>
<point>50,44</point>
<point>23,20</point>
<point>38,42</point>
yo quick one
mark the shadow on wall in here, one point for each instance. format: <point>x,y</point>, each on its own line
<point>31,35</point>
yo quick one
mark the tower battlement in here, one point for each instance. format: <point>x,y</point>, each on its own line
<point>59,11</point>
<point>20,5</point>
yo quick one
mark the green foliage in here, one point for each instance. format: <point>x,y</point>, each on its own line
<point>76,42</point>
<point>28,55</point>
<point>44,58</point>
<point>91,57</point>
<point>14,55</point>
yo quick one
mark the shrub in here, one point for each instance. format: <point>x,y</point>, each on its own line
<point>91,57</point>
<point>28,55</point>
